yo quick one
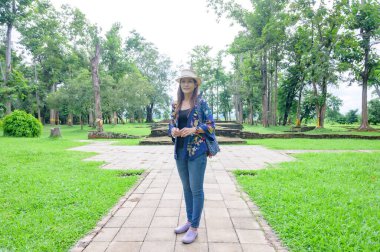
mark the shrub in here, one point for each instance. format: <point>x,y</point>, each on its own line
<point>21,124</point>
<point>352,117</point>
<point>374,111</point>
<point>1,124</point>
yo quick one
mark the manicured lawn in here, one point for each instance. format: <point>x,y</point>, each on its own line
<point>322,202</point>
<point>74,132</point>
<point>328,129</point>
<point>269,130</point>
<point>49,198</point>
<point>316,144</point>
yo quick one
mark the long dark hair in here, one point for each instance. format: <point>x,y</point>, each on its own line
<point>181,96</point>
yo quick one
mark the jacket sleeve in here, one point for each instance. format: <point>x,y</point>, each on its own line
<point>208,124</point>
<point>172,122</point>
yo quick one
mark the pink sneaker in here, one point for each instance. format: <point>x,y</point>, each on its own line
<point>189,236</point>
<point>182,229</point>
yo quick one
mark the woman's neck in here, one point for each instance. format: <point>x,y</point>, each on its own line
<point>187,98</point>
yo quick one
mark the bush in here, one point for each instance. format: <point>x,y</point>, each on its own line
<point>352,117</point>
<point>374,111</point>
<point>1,124</point>
<point>21,124</point>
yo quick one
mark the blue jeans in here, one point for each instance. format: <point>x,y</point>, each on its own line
<point>192,173</point>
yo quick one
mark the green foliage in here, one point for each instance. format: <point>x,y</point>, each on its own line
<point>21,124</point>
<point>333,106</point>
<point>351,116</point>
<point>1,123</point>
<point>374,111</point>
<point>308,106</point>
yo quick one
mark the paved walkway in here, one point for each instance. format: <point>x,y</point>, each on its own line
<point>145,218</point>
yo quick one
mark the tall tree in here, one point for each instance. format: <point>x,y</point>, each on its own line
<point>113,59</point>
<point>156,68</point>
<point>357,49</point>
<point>11,11</point>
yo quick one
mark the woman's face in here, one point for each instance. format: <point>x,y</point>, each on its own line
<point>187,85</point>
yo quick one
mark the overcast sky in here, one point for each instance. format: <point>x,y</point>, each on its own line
<point>177,26</point>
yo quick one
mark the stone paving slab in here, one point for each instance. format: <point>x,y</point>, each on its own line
<point>156,157</point>
<point>145,221</point>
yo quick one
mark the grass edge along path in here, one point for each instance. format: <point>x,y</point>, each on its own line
<point>316,144</point>
<point>321,202</point>
<point>49,197</point>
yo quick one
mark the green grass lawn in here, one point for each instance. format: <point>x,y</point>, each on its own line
<point>49,198</point>
<point>322,202</point>
<point>328,129</point>
<point>316,144</point>
<point>75,132</point>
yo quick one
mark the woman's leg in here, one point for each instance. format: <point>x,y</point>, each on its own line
<point>197,168</point>
<point>183,171</point>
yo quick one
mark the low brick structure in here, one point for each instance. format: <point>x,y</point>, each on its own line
<point>109,135</point>
<point>253,135</point>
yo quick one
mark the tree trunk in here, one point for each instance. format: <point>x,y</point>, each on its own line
<point>264,89</point>
<point>57,118</point>
<point>37,96</point>
<point>274,113</point>
<point>269,86</point>
<point>8,60</point>
<point>250,116</point>
<point>322,107</point>
<point>52,111</point>
<point>298,121</point>
<point>91,118</point>
<point>96,86</point>
<point>364,123</point>
<point>317,106</point>
<point>149,113</point>
<point>52,117</point>
<point>38,107</point>
<point>70,119</point>
<point>114,121</point>
<point>217,102</point>
<point>81,121</point>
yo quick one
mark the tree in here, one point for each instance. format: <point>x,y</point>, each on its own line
<point>262,39</point>
<point>11,11</point>
<point>114,60</point>
<point>203,64</point>
<point>356,51</point>
<point>44,37</point>
<point>154,67</point>
<point>333,108</point>
<point>96,85</point>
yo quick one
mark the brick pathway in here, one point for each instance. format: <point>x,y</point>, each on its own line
<point>145,218</point>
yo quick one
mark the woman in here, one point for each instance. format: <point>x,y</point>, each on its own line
<point>190,151</point>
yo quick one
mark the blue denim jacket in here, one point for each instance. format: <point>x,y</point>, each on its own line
<point>195,145</point>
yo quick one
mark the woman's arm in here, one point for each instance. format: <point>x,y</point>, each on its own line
<point>172,124</point>
<point>208,125</point>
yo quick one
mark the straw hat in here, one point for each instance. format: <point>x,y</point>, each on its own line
<point>189,73</point>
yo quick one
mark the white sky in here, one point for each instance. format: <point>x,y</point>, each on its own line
<point>177,26</point>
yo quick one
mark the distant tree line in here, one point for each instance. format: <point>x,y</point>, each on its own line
<point>285,60</point>
<point>62,59</point>
<point>290,53</point>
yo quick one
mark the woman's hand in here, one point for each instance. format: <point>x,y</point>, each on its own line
<point>187,131</point>
<point>176,132</point>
